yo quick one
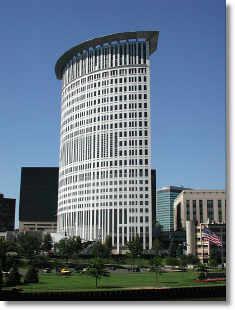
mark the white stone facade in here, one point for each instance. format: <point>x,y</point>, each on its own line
<point>105,141</point>
<point>199,206</point>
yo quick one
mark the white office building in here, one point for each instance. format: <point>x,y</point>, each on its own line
<point>105,141</point>
<point>199,206</point>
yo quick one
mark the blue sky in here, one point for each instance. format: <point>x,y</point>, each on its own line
<point>187,82</point>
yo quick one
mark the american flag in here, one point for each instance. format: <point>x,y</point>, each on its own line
<point>212,237</point>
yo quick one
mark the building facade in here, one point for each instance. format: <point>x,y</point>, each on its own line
<point>154,196</point>
<point>105,143</point>
<point>38,199</point>
<point>200,247</point>
<point>7,213</point>
<point>199,206</point>
<point>165,206</point>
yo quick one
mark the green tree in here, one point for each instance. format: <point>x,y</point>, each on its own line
<point>29,244</point>
<point>100,250</point>
<point>215,255</point>
<point>202,271</point>
<point>212,262</point>
<point>31,275</point>
<point>183,261</point>
<point>192,259</point>
<point>6,259</point>
<point>47,243</point>
<point>3,251</point>
<point>41,261</point>
<point>76,245</point>
<point>13,277</point>
<point>171,261</point>
<point>156,246</point>
<point>135,246</point>
<point>1,277</point>
<point>10,261</point>
<point>69,247</point>
<point>108,245</point>
<point>97,270</point>
<point>156,264</point>
<point>62,248</point>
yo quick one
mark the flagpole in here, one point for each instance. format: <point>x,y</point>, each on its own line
<point>222,252</point>
<point>202,245</point>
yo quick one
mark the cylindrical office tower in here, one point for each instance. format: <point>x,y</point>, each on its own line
<point>105,142</point>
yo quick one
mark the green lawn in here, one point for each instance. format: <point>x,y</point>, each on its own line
<point>77,282</point>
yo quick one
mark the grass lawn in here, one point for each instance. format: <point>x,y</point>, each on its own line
<point>78,282</point>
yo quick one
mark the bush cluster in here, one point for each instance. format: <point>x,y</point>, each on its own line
<point>14,277</point>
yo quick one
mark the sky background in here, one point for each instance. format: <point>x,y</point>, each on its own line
<point>187,82</point>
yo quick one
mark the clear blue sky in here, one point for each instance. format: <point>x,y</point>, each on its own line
<point>187,82</point>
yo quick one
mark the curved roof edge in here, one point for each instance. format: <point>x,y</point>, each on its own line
<point>152,36</point>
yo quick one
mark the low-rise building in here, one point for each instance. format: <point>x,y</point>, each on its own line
<point>202,248</point>
<point>199,206</point>
<point>7,213</point>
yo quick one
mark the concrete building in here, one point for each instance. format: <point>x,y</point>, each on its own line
<point>154,196</point>
<point>105,143</point>
<point>38,199</point>
<point>7,213</point>
<point>8,235</point>
<point>199,206</point>
<point>165,206</point>
<point>200,247</point>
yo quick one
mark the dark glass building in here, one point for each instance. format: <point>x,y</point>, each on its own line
<point>38,198</point>
<point>165,206</point>
<point>7,213</point>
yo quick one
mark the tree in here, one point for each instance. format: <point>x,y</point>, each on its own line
<point>3,251</point>
<point>13,277</point>
<point>156,265</point>
<point>1,277</point>
<point>31,275</point>
<point>202,271</point>
<point>192,259</point>
<point>156,246</point>
<point>97,270</point>
<point>108,245</point>
<point>100,250</point>
<point>135,246</point>
<point>62,248</point>
<point>179,250</point>
<point>10,261</point>
<point>76,245</point>
<point>212,262</point>
<point>47,243</point>
<point>40,261</point>
<point>69,247</point>
<point>29,244</point>
<point>171,261</point>
<point>183,261</point>
<point>215,255</point>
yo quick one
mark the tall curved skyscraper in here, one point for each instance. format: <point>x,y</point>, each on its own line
<point>105,140</point>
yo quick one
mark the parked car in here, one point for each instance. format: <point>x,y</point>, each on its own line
<point>65,272</point>
<point>46,270</point>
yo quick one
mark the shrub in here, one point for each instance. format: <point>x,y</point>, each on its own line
<point>1,278</point>
<point>31,275</point>
<point>13,277</point>
<point>171,261</point>
<point>40,262</point>
<point>201,276</point>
